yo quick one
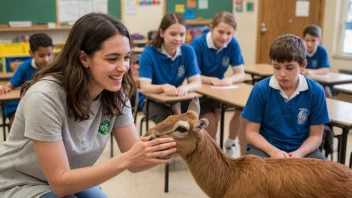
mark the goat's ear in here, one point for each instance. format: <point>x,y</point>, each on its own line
<point>200,124</point>
<point>194,106</point>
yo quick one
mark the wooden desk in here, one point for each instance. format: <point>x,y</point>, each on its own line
<point>6,76</point>
<point>162,98</point>
<point>140,42</point>
<point>138,50</point>
<point>345,88</point>
<point>235,97</point>
<point>12,95</point>
<point>340,114</point>
<point>332,78</point>
<point>258,71</point>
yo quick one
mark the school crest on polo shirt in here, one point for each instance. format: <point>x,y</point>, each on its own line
<point>181,71</point>
<point>104,127</point>
<point>225,61</point>
<point>302,115</point>
<point>314,63</point>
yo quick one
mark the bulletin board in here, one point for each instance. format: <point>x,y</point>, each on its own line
<point>204,10</point>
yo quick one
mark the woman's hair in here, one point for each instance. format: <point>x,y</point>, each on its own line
<point>168,20</point>
<point>226,17</point>
<point>87,35</point>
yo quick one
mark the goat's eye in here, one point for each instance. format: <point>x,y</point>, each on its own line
<point>181,129</point>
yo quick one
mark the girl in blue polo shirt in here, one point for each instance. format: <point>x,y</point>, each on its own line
<point>287,111</point>
<point>216,51</point>
<point>317,57</point>
<point>166,63</point>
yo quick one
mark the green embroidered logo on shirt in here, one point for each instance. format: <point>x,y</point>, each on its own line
<point>104,127</point>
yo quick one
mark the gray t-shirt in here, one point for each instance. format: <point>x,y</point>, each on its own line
<point>42,115</point>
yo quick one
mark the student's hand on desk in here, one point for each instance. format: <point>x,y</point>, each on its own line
<point>280,154</point>
<point>147,151</point>
<point>4,89</point>
<point>226,82</point>
<point>182,90</point>
<point>170,90</point>
<point>215,81</point>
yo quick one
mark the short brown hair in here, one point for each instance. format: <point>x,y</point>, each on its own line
<point>312,30</point>
<point>287,48</point>
<point>168,20</point>
<point>226,17</point>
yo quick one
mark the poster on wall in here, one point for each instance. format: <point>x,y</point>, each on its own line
<point>180,8</point>
<point>302,8</point>
<point>191,4</point>
<point>130,7</point>
<point>239,5</point>
<point>203,4</point>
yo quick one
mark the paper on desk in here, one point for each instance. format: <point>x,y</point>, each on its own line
<point>225,87</point>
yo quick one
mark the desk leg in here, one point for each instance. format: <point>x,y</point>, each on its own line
<point>111,145</point>
<point>253,81</point>
<point>146,116</point>
<point>166,189</point>
<point>222,121</point>
<point>343,145</point>
<point>3,120</point>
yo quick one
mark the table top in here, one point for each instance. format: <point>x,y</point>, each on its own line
<point>332,78</point>
<point>340,112</point>
<point>236,96</point>
<point>12,95</point>
<point>164,98</point>
<point>345,88</point>
<point>263,70</point>
<point>6,76</point>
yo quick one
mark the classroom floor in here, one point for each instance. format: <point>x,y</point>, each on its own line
<point>150,183</point>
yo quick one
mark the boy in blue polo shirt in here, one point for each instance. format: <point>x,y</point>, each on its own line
<point>287,111</point>
<point>216,51</point>
<point>317,56</point>
<point>41,49</point>
<point>166,63</point>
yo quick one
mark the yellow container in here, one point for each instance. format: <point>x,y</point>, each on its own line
<point>26,48</point>
<point>13,48</point>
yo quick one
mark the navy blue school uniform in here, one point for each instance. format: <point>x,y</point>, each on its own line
<point>158,67</point>
<point>318,59</point>
<point>23,73</point>
<point>285,122</point>
<point>215,62</point>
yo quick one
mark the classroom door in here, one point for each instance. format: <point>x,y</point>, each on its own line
<point>278,17</point>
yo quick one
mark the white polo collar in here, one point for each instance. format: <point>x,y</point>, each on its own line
<point>33,64</point>
<point>210,42</point>
<point>302,86</point>
<point>163,51</point>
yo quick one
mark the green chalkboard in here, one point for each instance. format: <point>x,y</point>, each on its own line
<point>41,11</point>
<point>214,6</point>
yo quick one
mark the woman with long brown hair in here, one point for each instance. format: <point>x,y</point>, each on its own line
<point>67,114</point>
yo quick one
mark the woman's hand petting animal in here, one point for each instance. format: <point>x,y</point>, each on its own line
<point>182,90</point>
<point>147,151</point>
<point>170,90</point>
<point>280,154</point>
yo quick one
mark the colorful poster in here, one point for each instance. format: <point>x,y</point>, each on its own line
<point>203,4</point>
<point>250,7</point>
<point>191,3</point>
<point>189,13</point>
<point>180,8</point>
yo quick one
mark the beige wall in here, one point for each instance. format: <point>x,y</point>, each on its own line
<point>148,18</point>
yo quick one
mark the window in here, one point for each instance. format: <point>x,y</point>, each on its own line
<point>347,29</point>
